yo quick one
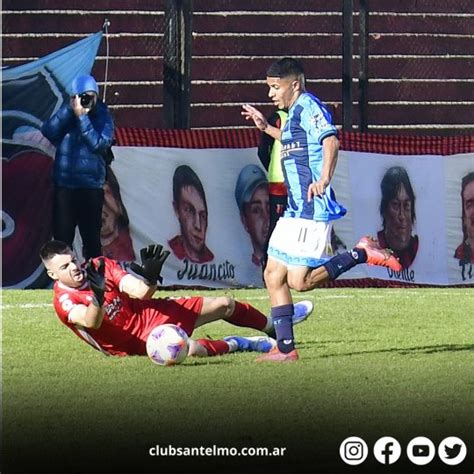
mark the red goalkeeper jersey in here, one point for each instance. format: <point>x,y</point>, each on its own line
<point>127,321</point>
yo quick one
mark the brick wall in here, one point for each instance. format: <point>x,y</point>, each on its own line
<point>421,63</point>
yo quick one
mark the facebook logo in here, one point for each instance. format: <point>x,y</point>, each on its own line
<point>387,450</point>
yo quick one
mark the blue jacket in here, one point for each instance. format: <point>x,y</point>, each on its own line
<point>80,145</point>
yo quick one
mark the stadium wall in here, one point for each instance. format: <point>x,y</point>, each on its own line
<point>421,57</point>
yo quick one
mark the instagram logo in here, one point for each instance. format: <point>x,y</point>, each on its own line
<point>353,450</point>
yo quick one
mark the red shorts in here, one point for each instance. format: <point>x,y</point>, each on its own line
<point>180,311</point>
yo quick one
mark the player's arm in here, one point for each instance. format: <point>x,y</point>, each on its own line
<point>91,316</point>
<point>330,152</point>
<point>152,257</point>
<point>137,288</point>
<point>86,316</point>
<point>274,132</point>
<point>251,113</point>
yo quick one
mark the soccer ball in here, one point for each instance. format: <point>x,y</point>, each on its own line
<point>167,345</point>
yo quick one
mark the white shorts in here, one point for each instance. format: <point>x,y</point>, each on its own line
<point>301,242</point>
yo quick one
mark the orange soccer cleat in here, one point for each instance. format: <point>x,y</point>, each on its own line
<point>276,356</point>
<point>377,255</point>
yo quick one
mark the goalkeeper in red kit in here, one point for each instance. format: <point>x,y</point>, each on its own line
<point>113,310</point>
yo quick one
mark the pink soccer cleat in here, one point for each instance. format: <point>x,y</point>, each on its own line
<point>276,356</point>
<point>378,256</point>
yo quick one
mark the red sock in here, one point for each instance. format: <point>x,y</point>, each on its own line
<point>214,348</point>
<point>245,315</point>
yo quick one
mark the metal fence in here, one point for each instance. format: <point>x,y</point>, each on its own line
<point>407,67</point>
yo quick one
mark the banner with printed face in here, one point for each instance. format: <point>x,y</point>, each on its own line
<point>392,201</point>
<point>209,207</point>
<point>31,93</point>
<point>413,205</point>
<point>458,201</point>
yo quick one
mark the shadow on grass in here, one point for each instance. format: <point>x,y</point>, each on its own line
<point>218,360</point>
<point>309,343</point>
<point>410,350</point>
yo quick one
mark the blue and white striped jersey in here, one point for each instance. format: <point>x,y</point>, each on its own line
<point>308,123</point>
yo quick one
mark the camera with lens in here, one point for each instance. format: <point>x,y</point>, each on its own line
<point>87,100</point>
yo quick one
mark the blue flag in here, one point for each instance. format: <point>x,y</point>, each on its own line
<point>31,93</point>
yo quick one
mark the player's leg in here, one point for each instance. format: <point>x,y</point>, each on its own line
<point>235,312</point>
<point>287,248</point>
<point>250,343</point>
<point>209,347</point>
<point>243,314</point>
<point>277,207</point>
<point>282,312</point>
<point>313,263</point>
<point>366,250</point>
<point>305,279</point>
<point>192,312</point>
<point>276,281</point>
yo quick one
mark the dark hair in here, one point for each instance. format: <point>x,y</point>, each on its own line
<point>285,67</point>
<point>185,176</point>
<point>465,181</point>
<point>392,181</point>
<point>52,248</point>
<point>111,181</point>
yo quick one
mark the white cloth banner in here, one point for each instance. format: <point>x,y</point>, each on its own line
<point>210,240</point>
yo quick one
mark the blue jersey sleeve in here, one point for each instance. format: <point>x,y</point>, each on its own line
<point>317,120</point>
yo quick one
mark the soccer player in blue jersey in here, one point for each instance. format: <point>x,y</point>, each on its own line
<point>299,253</point>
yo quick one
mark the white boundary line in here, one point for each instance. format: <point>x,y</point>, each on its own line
<point>308,296</point>
<point>26,306</point>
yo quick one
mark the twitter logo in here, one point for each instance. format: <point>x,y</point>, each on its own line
<point>452,450</point>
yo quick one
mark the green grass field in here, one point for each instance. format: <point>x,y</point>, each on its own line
<point>374,362</point>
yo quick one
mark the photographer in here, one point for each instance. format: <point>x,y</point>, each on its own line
<point>82,132</point>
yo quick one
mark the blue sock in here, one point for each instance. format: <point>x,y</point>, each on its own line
<point>283,324</point>
<point>343,262</point>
